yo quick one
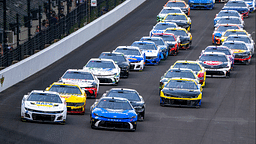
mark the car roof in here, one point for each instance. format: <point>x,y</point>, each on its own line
<point>43,91</point>
<point>101,59</point>
<point>129,47</point>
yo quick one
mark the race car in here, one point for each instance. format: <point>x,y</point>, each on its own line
<point>113,113</point>
<point>120,60</point>
<point>134,55</point>
<point>133,96</point>
<point>222,49</point>
<point>230,20</point>
<point>172,41</point>
<point>106,70</point>
<point>237,5</point>
<point>216,64</point>
<point>160,27</point>
<point>179,4</point>
<point>43,106</point>
<point>241,51</point>
<point>167,10</point>
<point>85,79</point>
<point>180,19</point>
<point>181,92</point>
<point>177,72</point>
<point>227,13</point>
<point>159,43</point>
<point>244,38</point>
<point>199,4</point>
<point>75,97</point>
<point>218,32</point>
<point>185,36</point>
<point>195,66</point>
<point>251,5</point>
<point>152,52</point>
<point>233,32</point>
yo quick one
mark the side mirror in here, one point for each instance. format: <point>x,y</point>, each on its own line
<point>47,89</point>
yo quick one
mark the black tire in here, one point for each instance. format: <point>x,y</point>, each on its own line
<point>23,120</point>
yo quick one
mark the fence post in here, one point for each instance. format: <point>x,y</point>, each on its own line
<point>5,49</point>
<point>29,19</point>
<point>40,18</point>
<point>49,13</point>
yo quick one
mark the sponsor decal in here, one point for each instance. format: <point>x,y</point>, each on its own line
<point>2,80</point>
<point>213,63</point>
<point>45,104</point>
<point>132,58</point>
<point>238,51</point>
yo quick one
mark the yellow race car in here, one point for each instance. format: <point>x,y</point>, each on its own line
<point>75,97</point>
<point>233,32</point>
<point>180,19</point>
<point>183,92</point>
<point>195,66</point>
<point>183,34</point>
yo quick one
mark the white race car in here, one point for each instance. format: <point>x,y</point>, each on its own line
<point>134,55</point>
<point>106,70</point>
<point>216,63</point>
<point>85,79</point>
<point>43,106</point>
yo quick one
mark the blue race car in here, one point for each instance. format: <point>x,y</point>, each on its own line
<point>134,55</point>
<point>152,52</point>
<point>224,13</point>
<point>161,27</point>
<point>237,5</point>
<point>113,113</point>
<point>160,43</point>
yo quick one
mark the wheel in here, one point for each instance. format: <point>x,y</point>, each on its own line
<point>228,74</point>
<point>63,122</point>
<point>248,62</point>
<point>141,116</point>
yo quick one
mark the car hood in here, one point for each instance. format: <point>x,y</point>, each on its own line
<point>235,8</point>
<point>133,58</point>
<point>44,106</point>
<point>103,71</point>
<point>151,52</point>
<point>238,51</point>
<point>80,82</point>
<point>110,113</point>
<point>73,98</point>
<point>180,93</point>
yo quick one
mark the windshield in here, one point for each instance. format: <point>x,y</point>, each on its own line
<point>166,11</point>
<point>240,46</point>
<point>114,57</point>
<point>175,4</point>
<point>248,0</point>
<point>65,89</point>
<point>236,4</point>
<point>234,32</point>
<point>226,51</point>
<point>213,57</point>
<point>179,84</point>
<point>44,97</point>
<point>177,32</point>
<point>156,41</point>
<point>192,66</point>
<point>175,17</point>
<point>130,95</point>
<point>164,26</point>
<point>78,75</point>
<point>222,14</point>
<point>180,73</point>
<point>114,104</point>
<point>224,28</point>
<point>145,46</point>
<point>100,64</point>
<point>166,37</point>
<point>126,51</point>
<point>229,21</point>
<point>244,39</point>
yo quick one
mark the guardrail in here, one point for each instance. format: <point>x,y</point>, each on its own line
<point>29,66</point>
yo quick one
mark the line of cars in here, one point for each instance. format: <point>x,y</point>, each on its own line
<point>182,84</point>
<point>121,108</point>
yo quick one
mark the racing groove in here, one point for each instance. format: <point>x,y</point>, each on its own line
<point>227,114</point>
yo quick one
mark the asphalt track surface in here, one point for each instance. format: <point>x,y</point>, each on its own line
<point>227,114</point>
